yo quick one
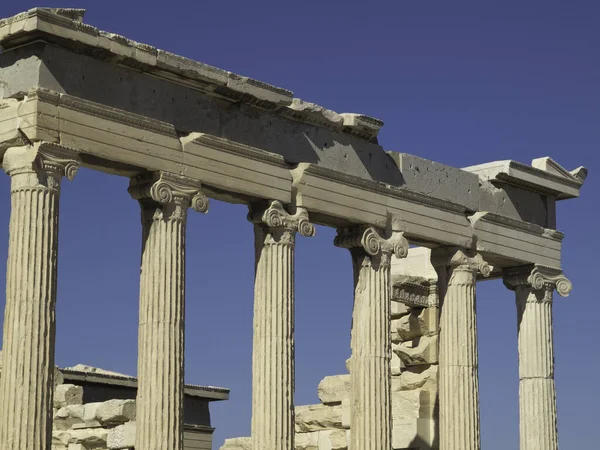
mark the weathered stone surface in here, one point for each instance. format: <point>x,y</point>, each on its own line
<point>399,309</point>
<point>414,404</point>
<point>307,441</point>
<point>414,434</point>
<point>318,417</point>
<point>423,175</point>
<point>67,394</point>
<point>67,416</point>
<point>396,365</point>
<point>121,437</point>
<point>318,112</point>
<point>242,443</point>
<point>334,389</point>
<point>90,438</point>
<point>116,412</point>
<point>420,322</point>
<point>422,350</point>
<point>416,377</point>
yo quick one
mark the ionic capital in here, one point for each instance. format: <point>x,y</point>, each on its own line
<point>173,192</point>
<point>42,165</point>
<point>275,218</point>
<point>373,242</point>
<point>538,278</point>
<point>460,260</point>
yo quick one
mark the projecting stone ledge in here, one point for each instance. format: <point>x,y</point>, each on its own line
<point>65,26</point>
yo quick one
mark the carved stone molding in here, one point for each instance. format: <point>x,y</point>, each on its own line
<point>48,163</point>
<point>538,278</point>
<point>278,221</point>
<point>415,291</point>
<point>173,192</point>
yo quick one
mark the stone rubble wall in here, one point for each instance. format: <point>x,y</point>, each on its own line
<point>326,426</point>
<point>107,425</point>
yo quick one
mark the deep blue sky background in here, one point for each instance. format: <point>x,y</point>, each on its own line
<point>460,82</point>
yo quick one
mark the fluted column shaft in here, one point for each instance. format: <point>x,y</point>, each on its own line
<point>164,201</point>
<point>459,386</point>
<point>27,381</point>
<point>273,342</point>
<point>537,391</point>
<point>458,355</point>
<point>370,409</point>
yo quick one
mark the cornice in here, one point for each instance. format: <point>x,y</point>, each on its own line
<point>381,188</point>
<point>514,224</point>
<point>236,148</point>
<point>64,26</point>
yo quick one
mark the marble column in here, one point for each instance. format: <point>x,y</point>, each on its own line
<point>533,286</point>
<point>27,382</point>
<point>370,409</point>
<point>273,345</point>
<point>164,200</point>
<point>458,372</point>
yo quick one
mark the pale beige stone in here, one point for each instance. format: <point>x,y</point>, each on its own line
<point>243,443</point>
<point>420,322</point>
<point>164,200</point>
<point>273,342</point>
<point>27,381</point>
<point>416,377</point>
<point>418,351</point>
<point>116,412</point>
<point>399,309</point>
<point>307,441</point>
<point>334,389</point>
<point>537,391</point>
<point>121,437</point>
<point>414,404</point>
<point>318,417</point>
<point>459,384</point>
<point>67,394</point>
<point>371,341</point>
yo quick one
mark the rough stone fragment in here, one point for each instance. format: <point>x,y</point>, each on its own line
<point>242,443</point>
<point>413,404</point>
<point>316,111</point>
<point>121,437</point>
<point>259,90</point>
<point>396,365</point>
<point>365,125</point>
<point>334,389</point>
<point>67,394</point>
<point>423,350</point>
<point>307,441</point>
<point>399,309</point>
<point>116,412</point>
<point>90,438</point>
<point>414,433</point>
<point>318,417</point>
<point>416,377</point>
<point>67,416</point>
<point>335,440</point>
<point>420,322</point>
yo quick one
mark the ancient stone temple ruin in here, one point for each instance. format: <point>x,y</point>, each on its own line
<point>421,235</point>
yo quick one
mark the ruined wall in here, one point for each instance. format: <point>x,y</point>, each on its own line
<point>326,426</point>
<point>108,425</point>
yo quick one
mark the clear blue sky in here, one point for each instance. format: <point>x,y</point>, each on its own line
<point>459,82</point>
